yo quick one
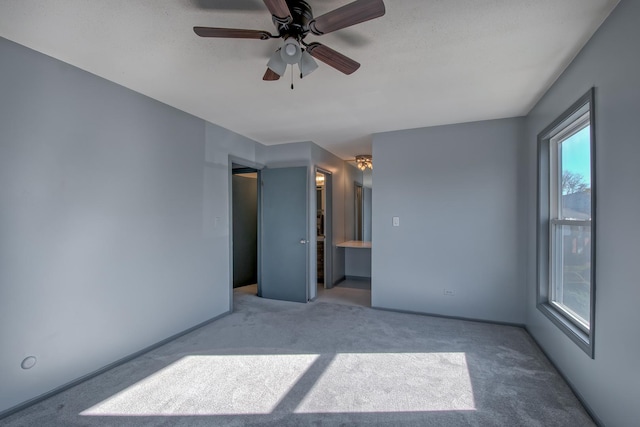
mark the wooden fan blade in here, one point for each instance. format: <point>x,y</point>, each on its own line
<point>279,10</point>
<point>346,16</point>
<point>231,33</point>
<point>332,58</point>
<point>270,75</point>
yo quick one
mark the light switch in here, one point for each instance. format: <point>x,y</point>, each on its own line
<point>396,221</point>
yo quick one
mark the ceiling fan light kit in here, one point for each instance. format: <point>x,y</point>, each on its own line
<point>294,20</point>
<point>291,51</point>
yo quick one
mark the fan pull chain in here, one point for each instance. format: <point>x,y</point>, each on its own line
<point>292,77</point>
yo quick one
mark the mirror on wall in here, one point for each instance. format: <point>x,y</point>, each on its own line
<point>367,186</point>
<point>362,205</point>
<point>358,209</point>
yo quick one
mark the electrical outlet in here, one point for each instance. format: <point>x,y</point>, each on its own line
<point>449,292</point>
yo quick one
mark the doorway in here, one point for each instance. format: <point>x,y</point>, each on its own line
<point>324,227</point>
<point>277,261</point>
<point>244,223</point>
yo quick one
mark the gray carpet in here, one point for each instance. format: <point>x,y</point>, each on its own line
<point>285,364</point>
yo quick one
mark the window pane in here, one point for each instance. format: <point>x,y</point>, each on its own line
<point>576,176</point>
<point>572,270</point>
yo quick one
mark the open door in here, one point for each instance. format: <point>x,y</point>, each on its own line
<point>284,229</point>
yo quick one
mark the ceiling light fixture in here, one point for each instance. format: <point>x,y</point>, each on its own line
<point>292,53</point>
<point>364,162</point>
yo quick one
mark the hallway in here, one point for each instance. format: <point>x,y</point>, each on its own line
<point>347,292</point>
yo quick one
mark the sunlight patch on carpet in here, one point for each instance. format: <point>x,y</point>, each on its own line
<point>210,385</point>
<point>392,382</point>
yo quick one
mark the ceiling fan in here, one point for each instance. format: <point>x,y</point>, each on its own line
<point>294,20</point>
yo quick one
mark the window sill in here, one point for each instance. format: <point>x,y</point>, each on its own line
<point>577,335</point>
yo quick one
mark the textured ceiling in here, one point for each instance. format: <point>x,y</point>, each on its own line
<point>425,63</point>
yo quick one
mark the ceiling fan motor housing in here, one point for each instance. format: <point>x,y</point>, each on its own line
<point>302,14</point>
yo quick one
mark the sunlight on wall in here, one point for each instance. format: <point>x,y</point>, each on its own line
<point>299,383</point>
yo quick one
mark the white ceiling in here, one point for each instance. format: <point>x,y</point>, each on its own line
<point>425,63</point>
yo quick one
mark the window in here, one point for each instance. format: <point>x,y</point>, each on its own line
<point>566,196</point>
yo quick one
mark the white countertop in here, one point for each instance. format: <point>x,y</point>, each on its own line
<point>358,244</point>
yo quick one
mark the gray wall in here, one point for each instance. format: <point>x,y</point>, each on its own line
<point>103,250</point>
<point>610,383</point>
<point>245,230</point>
<point>357,263</point>
<point>455,189</point>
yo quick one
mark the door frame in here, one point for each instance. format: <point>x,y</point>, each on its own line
<point>328,229</point>
<point>258,167</point>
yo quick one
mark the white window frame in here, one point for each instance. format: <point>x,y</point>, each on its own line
<point>573,120</point>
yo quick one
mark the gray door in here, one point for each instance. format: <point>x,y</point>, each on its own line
<point>283,243</point>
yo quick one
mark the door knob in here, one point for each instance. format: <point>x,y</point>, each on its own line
<point>303,242</point>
